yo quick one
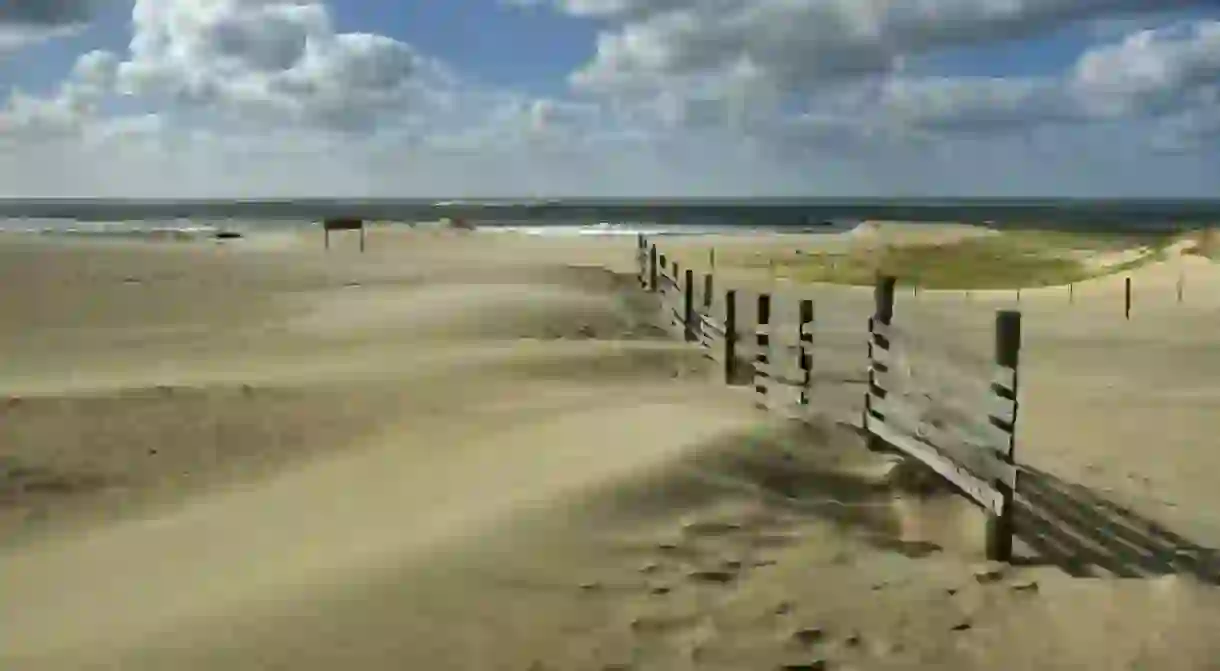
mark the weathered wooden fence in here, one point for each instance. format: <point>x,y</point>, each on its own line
<point>955,415</point>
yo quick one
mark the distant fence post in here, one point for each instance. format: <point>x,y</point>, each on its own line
<point>730,336</point>
<point>1181,284</point>
<point>805,348</point>
<point>1127,298</point>
<point>688,306</point>
<point>708,292</point>
<point>883,315</point>
<point>652,268</point>
<point>1071,293</point>
<point>1000,526</point>
<point>675,315</point>
<point>641,260</point>
<point>762,357</point>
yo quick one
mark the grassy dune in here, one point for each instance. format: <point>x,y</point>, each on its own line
<point>997,261</point>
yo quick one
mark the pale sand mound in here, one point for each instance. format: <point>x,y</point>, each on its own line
<point>914,233</point>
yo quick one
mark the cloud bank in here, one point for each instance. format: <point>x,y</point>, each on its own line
<point>681,97</point>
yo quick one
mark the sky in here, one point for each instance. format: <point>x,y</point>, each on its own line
<point>609,98</point>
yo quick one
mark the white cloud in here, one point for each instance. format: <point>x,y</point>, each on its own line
<point>800,43</point>
<point>275,60</point>
<point>1151,70</point>
<point>696,97</point>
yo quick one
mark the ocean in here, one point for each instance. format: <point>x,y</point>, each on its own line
<point>598,217</point>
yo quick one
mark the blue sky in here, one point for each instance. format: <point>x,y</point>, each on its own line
<point>611,97</point>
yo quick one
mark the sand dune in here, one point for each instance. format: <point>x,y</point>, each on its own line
<point>475,452</point>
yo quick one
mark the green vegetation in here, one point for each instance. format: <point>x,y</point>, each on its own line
<point>1001,261</point>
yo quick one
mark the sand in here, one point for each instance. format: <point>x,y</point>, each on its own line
<point>476,451</point>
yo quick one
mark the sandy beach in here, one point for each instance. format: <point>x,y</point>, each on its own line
<point>477,451</point>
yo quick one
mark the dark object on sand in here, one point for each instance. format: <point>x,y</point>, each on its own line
<point>227,235</point>
<point>343,224</point>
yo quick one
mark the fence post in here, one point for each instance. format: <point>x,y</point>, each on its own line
<point>688,306</point>
<point>730,336</point>
<point>708,290</point>
<point>1127,298</point>
<point>652,268</point>
<point>361,238</point>
<point>762,357</point>
<point>883,314</point>
<point>1071,293</point>
<point>1000,528</point>
<point>805,348</point>
<point>641,259</point>
<point>676,318</point>
<point>1181,284</point>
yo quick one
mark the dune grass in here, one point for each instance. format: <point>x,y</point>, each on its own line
<point>1002,261</point>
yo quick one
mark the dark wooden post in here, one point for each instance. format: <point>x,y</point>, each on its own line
<point>883,314</point>
<point>361,238</point>
<point>1071,293</point>
<point>642,261</point>
<point>652,268</point>
<point>730,336</point>
<point>762,357</point>
<point>1000,527</point>
<point>677,298</point>
<point>1127,298</point>
<point>1181,284</point>
<point>805,349</point>
<point>688,306</point>
<point>326,237</point>
<point>708,292</point>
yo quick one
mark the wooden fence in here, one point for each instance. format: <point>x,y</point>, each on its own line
<point>959,419</point>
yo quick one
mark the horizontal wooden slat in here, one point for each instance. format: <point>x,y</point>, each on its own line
<point>987,404</point>
<point>712,324</point>
<point>971,422</point>
<point>964,376</point>
<point>882,355</point>
<point>1003,409</point>
<point>884,330</point>
<point>789,331</point>
<point>1005,377</point>
<point>954,440</point>
<point>781,374</point>
<point>983,493</point>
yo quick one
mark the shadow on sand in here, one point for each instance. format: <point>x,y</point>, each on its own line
<point>1078,530</point>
